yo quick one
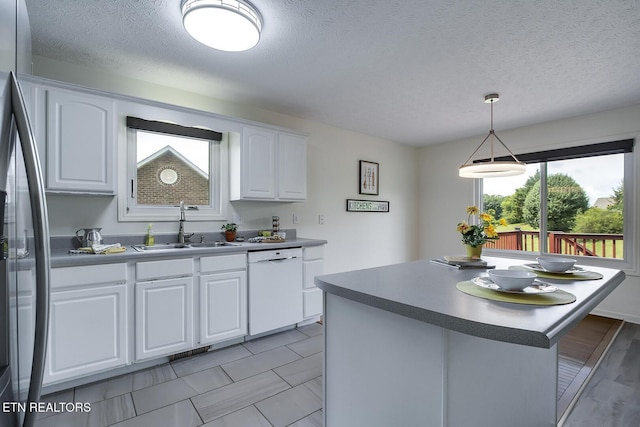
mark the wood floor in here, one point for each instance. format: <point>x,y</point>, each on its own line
<point>579,352</point>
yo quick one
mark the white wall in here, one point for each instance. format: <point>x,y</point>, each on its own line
<point>443,196</point>
<point>356,240</point>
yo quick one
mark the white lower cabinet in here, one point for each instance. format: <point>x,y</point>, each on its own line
<point>164,317</point>
<point>223,310</point>
<point>164,308</point>
<point>312,266</point>
<point>223,298</point>
<point>88,321</point>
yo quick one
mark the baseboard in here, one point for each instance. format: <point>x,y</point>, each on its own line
<point>629,318</point>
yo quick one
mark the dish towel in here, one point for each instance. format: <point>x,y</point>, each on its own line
<point>115,248</point>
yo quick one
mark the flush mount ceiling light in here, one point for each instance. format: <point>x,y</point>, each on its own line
<point>491,168</point>
<point>229,25</point>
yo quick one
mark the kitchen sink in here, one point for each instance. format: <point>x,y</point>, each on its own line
<point>172,246</point>
<point>164,246</point>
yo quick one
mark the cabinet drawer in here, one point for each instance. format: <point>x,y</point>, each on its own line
<point>314,252</point>
<point>223,262</point>
<point>311,269</point>
<point>88,275</point>
<point>151,270</point>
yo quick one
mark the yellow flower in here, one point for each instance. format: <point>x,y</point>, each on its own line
<point>472,210</point>
<point>486,217</point>
<point>463,227</point>
<point>491,231</point>
<point>503,222</point>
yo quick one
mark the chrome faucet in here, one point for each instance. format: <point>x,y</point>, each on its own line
<point>181,233</point>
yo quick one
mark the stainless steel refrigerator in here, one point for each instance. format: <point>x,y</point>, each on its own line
<point>24,233</point>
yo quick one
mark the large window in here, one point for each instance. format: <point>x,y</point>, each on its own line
<point>569,202</point>
<point>167,164</point>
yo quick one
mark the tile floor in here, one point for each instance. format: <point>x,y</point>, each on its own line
<point>275,381</point>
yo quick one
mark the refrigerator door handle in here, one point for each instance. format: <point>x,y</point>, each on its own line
<point>41,243</point>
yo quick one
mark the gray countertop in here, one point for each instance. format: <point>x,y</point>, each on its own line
<point>62,258</point>
<point>427,292</point>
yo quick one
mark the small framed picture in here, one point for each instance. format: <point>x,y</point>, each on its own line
<point>369,177</point>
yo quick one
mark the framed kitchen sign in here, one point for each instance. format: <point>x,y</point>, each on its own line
<point>367,206</point>
<point>369,177</point>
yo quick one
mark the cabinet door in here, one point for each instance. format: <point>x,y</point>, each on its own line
<point>311,302</point>
<point>223,306</point>
<point>292,167</point>
<point>87,332</point>
<point>258,163</point>
<point>81,133</point>
<point>164,317</point>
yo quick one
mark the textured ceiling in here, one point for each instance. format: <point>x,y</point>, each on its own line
<point>412,71</point>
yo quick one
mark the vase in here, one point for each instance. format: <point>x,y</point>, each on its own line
<point>474,251</point>
<point>230,236</point>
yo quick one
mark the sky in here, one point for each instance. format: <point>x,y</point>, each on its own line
<point>597,176</point>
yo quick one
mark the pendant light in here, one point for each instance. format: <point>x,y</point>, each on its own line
<point>491,168</point>
<point>229,25</point>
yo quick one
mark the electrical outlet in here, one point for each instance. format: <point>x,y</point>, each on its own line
<point>296,220</point>
<point>321,219</point>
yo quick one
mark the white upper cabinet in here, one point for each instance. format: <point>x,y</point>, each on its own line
<point>258,163</point>
<point>268,165</point>
<point>81,130</point>
<point>292,170</point>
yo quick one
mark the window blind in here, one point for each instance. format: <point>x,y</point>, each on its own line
<point>172,129</point>
<point>591,150</point>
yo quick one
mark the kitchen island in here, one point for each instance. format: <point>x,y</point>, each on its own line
<point>404,346</point>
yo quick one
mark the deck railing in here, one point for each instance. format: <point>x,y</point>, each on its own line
<point>558,242</point>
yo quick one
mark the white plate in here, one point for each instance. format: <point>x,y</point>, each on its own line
<point>538,267</point>
<point>536,288</point>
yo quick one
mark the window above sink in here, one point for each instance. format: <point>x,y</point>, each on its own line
<point>166,163</point>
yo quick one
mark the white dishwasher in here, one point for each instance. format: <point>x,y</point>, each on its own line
<point>275,289</point>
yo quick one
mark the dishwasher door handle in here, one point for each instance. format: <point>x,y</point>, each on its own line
<point>278,259</point>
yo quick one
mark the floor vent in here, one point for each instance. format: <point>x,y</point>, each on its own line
<point>189,353</point>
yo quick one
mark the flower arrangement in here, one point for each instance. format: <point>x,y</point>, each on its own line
<point>477,235</point>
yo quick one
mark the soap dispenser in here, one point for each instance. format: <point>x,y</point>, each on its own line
<point>150,240</point>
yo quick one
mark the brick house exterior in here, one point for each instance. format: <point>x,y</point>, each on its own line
<point>191,185</point>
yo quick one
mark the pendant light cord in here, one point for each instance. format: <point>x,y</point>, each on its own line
<point>492,134</point>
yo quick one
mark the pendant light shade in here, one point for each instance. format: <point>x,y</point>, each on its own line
<point>229,25</point>
<point>491,168</point>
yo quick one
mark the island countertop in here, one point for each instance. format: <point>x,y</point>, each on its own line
<point>427,292</point>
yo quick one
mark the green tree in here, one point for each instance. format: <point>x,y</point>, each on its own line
<point>618,199</point>
<point>493,204</point>
<point>512,205</point>
<point>566,199</point>
<point>596,220</point>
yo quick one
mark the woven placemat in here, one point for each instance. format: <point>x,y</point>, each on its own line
<point>558,297</point>
<point>583,275</point>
